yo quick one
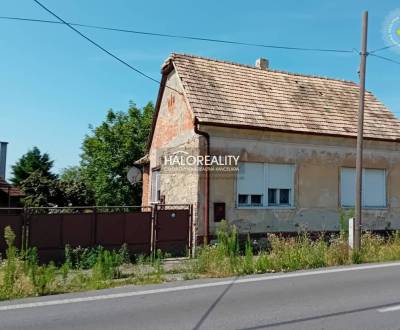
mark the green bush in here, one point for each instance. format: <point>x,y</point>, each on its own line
<point>82,258</point>
<point>263,264</point>
<point>86,258</point>
<point>13,281</point>
<point>338,252</point>
<point>106,267</point>
<point>43,278</point>
<point>65,270</point>
<point>345,215</point>
<point>10,269</point>
<point>228,241</point>
<point>248,260</point>
<point>301,252</point>
<point>31,260</point>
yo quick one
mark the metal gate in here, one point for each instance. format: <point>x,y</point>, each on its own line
<point>173,229</point>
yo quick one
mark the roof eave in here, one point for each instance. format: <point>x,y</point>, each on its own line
<point>142,161</point>
<point>259,128</point>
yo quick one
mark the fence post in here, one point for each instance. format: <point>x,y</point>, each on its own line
<point>25,230</point>
<point>62,232</point>
<point>94,226</point>
<point>125,221</point>
<point>153,244</point>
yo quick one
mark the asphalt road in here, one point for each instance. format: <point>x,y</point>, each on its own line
<point>359,297</point>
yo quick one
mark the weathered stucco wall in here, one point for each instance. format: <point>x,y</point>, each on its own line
<point>174,131</point>
<point>317,161</point>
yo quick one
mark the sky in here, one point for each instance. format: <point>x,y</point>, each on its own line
<point>54,84</point>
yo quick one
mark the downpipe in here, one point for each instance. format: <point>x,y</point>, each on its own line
<point>206,183</point>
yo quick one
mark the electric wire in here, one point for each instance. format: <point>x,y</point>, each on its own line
<point>102,48</point>
<point>177,36</point>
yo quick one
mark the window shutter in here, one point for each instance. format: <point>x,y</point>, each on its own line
<point>280,176</point>
<point>251,179</point>
<point>347,186</point>
<point>373,187</point>
<point>374,191</point>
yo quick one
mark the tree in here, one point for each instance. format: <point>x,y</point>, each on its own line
<point>74,189</point>
<point>110,150</point>
<point>146,123</point>
<point>32,161</point>
<point>40,190</point>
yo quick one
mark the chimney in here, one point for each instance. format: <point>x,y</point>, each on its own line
<point>3,157</point>
<point>262,63</point>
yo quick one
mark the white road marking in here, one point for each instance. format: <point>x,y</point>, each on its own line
<point>389,309</point>
<point>193,286</point>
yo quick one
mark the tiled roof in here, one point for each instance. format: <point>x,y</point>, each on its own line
<point>9,189</point>
<point>227,93</point>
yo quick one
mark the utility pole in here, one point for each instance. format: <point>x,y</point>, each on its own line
<point>360,131</point>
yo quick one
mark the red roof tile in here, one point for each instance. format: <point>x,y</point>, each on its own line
<point>9,189</point>
<point>227,93</point>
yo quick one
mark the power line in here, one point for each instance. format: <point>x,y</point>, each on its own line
<point>102,48</point>
<point>177,36</point>
<point>385,58</point>
<point>383,48</point>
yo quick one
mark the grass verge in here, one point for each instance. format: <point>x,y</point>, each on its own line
<point>21,275</point>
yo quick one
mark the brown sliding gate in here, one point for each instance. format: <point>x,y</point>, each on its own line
<point>142,229</point>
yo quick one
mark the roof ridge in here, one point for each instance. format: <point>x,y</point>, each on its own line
<point>173,55</point>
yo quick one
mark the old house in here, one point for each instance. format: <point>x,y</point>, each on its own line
<point>10,196</point>
<point>295,136</point>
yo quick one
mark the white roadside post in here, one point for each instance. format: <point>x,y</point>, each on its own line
<point>351,232</point>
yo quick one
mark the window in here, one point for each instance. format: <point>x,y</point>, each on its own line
<point>155,186</point>
<point>278,197</point>
<point>272,193</point>
<point>374,187</point>
<point>256,180</point>
<point>250,184</point>
<point>280,184</point>
<point>243,199</point>
<point>256,200</point>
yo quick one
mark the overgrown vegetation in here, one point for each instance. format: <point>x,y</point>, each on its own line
<point>289,253</point>
<point>22,275</point>
<point>86,258</point>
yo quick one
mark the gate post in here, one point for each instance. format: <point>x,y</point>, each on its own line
<point>191,246</point>
<point>153,229</point>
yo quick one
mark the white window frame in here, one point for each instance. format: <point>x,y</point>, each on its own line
<point>267,183</point>
<point>383,192</point>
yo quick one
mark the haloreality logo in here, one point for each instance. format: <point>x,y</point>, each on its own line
<point>184,161</point>
<point>391,30</point>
